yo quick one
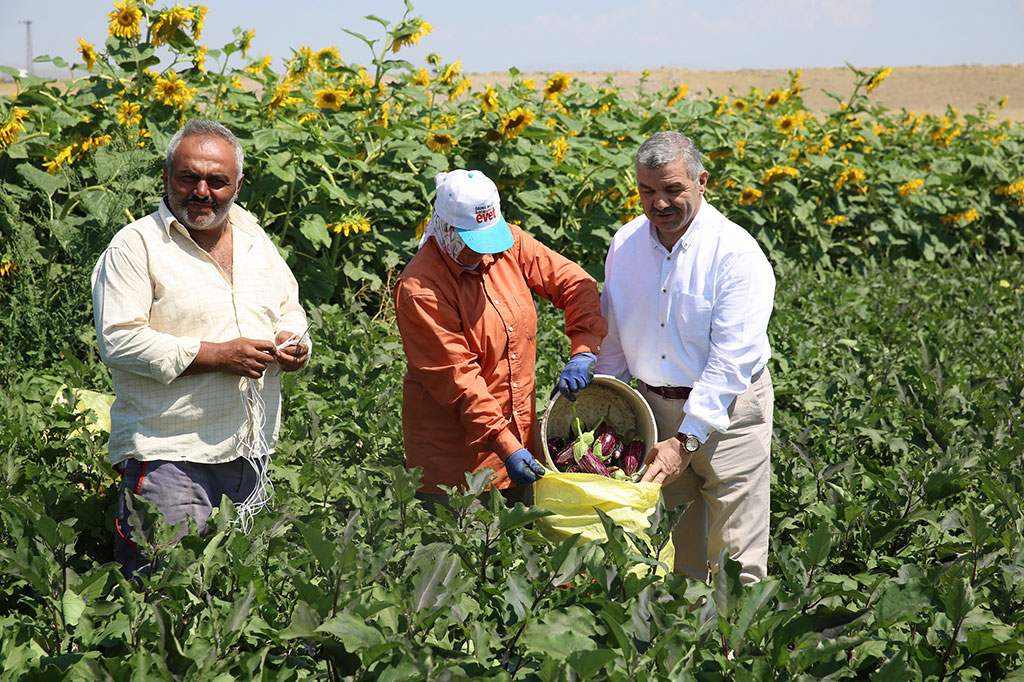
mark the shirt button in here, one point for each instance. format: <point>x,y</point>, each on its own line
<point>511,328</point>
<point>662,357</point>
<point>515,384</point>
<point>664,291</point>
<point>513,356</point>
<point>662,324</point>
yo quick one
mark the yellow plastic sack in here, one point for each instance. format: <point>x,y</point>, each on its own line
<point>573,497</point>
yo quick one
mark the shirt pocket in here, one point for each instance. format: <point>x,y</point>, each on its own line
<point>693,317</point>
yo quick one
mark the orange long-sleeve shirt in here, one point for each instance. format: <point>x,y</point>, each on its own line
<point>470,339</point>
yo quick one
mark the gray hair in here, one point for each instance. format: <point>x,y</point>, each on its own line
<point>204,127</point>
<point>667,147</point>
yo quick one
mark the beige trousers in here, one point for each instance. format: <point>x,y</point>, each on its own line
<point>727,483</point>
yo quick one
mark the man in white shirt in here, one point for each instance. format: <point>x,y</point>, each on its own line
<point>196,315</point>
<point>687,297</point>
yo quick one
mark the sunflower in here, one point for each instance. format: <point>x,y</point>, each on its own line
<point>409,33</point>
<point>877,79</point>
<point>450,72</point>
<point>421,77</point>
<point>10,131</point>
<point>740,105</point>
<point>908,188</point>
<point>1014,190</point>
<point>197,25</point>
<point>850,176</point>
<point>281,95</point>
<point>173,91</point>
<point>459,89</point>
<point>325,59</point>
<point>331,97</point>
<point>749,196</point>
<point>557,84</point>
<point>776,173</point>
<point>678,95</point>
<point>300,64</point>
<point>199,61</point>
<point>515,122</point>
<point>124,21</point>
<point>6,267</point>
<point>258,67</point>
<point>488,99</point>
<point>774,98</point>
<point>441,142</point>
<point>741,148</point>
<point>787,124</point>
<point>63,157</point>
<point>558,149</point>
<point>836,219</point>
<point>88,52</point>
<point>129,114</point>
<point>968,216</point>
<point>169,22</point>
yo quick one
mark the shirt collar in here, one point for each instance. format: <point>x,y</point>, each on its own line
<point>238,217</point>
<point>684,242</point>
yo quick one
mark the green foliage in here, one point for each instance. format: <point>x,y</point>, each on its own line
<point>896,516</point>
<point>897,486</point>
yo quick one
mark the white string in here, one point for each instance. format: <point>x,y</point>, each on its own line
<point>256,452</point>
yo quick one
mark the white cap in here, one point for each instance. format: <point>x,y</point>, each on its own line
<point>468,201</point>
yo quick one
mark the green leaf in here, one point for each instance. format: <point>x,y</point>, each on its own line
<point>73,606</point>
<point>434,583</point>
<point>44,181</point>
<point>519,515</point>
<point>587,663</point>
<point>353,631</point>
<point>314,228</point>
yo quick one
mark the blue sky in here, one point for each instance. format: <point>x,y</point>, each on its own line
<point>595,35</point>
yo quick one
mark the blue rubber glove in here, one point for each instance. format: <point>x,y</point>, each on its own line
<point>577,374</point>
<point>522,467</point>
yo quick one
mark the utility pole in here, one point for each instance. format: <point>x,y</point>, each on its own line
<point>28,44</point>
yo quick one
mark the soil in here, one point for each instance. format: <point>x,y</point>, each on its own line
<point>923,89</point>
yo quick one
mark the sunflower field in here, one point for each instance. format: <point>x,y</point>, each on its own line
<point>897,489</point>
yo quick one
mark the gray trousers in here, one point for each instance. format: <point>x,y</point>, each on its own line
<point>728,484</point>
<point>179,490</point>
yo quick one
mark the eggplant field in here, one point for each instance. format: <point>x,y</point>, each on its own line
<point>897,510</point>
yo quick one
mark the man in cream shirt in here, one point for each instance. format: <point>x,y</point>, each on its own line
<point>687,296</point>
<point>196,315</point>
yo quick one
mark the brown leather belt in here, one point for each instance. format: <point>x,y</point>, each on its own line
<point>671,392</point>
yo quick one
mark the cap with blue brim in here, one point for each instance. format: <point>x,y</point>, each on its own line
<point>468,201</point>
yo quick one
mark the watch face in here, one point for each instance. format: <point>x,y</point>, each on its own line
<point>691,444</point>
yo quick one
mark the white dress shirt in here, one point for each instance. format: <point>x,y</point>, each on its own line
<point>156,295</point>
<point>694,316</point>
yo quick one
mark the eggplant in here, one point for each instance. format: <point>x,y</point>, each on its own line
<point>592,465</point>
<point>555,445</point>
<point>632,457</point>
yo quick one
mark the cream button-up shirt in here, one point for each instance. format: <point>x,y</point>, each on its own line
<point>696,315</point>
<point>156,296</point>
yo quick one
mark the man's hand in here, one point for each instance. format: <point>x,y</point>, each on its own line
<point>522,467</point>
<point>293,356</point>
<point>241,357</point>
<point>245,357</point>
<point>666,462</point>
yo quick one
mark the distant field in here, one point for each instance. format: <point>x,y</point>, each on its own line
<point>924,89</point>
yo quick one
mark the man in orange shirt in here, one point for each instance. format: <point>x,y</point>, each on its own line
<point>469,327</point>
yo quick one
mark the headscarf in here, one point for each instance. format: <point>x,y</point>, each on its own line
<point>446,236</point>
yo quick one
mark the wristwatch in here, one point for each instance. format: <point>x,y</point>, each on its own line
<point>690,442</point>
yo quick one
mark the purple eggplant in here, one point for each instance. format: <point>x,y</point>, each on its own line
<point>592,465</point>
<point>564,457</point>
<point>632,457</point>
<point>555,445</point>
